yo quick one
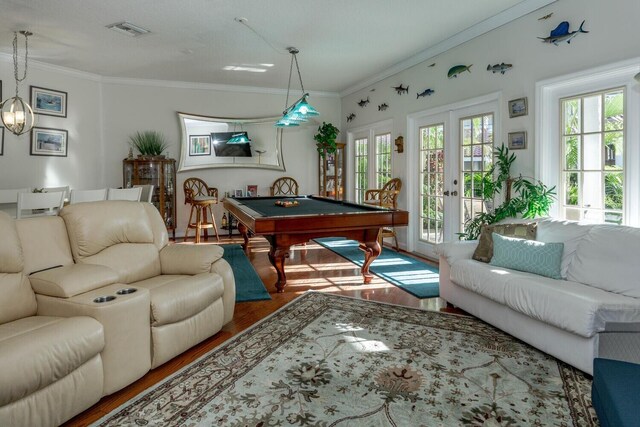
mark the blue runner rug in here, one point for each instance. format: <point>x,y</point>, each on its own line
<point>249,286</point>
<point>409,274</point>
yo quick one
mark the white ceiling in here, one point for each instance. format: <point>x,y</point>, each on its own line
<point>342,42</point>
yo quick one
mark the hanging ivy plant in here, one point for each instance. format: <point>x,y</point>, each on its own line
<point>326,138</point>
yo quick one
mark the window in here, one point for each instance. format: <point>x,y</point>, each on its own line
<point>362,158</point>
<point>477,158</point>
<point>372,158</point>
<point>593,150</point>
<point>383,159</point>
<point>432,179</point>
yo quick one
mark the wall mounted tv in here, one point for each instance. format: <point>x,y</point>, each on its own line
<point>222,149</point>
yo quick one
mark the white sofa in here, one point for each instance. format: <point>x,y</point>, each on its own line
<point>593,312</point>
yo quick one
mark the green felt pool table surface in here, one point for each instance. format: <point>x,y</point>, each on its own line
<point>266,207</point>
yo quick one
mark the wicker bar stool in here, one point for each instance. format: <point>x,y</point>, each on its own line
<point>386,197</point>
<point>201,197</point>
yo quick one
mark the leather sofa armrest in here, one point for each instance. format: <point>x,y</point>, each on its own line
<point>70,280</point>
<point>189,259</point>
<point>457,250</point>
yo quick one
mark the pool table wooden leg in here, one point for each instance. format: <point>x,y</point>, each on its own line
<point>245,235</point>
<point>371,249</point>
<point>277,256</point>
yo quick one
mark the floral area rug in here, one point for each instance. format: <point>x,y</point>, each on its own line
<point>327,360</point>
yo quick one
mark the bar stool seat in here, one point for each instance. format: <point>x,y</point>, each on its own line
<point>201,198</point>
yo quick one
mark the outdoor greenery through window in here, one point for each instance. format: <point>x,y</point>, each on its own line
<point>477,157</point>
<point>593,156</point>
<point>362,160</point>
<point>432,179</point>
<point>383,159</point>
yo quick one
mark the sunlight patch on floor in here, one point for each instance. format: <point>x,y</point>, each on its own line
<point>365,345</point>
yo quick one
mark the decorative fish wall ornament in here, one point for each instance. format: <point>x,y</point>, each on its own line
<point>400,89</point>
<point>545,17</point>
<point>426,92</point>
<point>499,68</point>
<point>562,34</point>
<point>350,117</point>
<point>383,107</point>
<point>363,102</point>
<point>454,71</point>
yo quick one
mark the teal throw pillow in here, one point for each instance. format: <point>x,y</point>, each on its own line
<point>531,256</point>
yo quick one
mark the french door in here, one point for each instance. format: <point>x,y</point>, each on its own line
<point>454,150</point>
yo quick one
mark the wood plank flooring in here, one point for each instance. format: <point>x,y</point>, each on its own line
<point>310,267</point>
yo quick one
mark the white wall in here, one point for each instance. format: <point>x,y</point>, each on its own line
<point>83,166</point>
<point>612,37</point>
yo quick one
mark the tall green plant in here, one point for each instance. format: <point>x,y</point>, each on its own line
<point>326,138</point>
<point>149,142</point>
<point>531,198</point>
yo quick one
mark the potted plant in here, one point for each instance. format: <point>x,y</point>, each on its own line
<point>524,197</point>
<point>149,143</point>
<point>326,138</point>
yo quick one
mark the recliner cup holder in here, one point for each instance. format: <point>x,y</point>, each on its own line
<point>126,291</point>
<point>99,300</point>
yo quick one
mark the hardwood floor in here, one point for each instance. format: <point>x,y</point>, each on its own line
<point>310,267</point>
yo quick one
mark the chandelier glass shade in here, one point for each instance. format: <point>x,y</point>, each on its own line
<point>300,110</point>
<point>17,115</point>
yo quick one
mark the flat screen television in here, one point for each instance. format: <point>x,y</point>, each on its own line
<point>222,149</point>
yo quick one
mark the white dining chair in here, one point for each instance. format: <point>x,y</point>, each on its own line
<point>147,192</point>
<point>125,194</point>
<point>64,189</point>
<point>78,196</point>
<point>9,200</point>
<point>39,204</point>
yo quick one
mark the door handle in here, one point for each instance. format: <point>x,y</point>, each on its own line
<point>454,193</point>
<point>446,193</point>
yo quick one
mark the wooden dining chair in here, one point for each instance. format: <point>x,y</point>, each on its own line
<point>78,196</point>
<point>386,197</point>
<point>201,197</point>
<point>284,186</point>
<point>132,194</point>
<point>39,204</point>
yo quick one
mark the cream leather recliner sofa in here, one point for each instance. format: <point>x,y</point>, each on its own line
<point>50,366</point>
<point>110,261</point>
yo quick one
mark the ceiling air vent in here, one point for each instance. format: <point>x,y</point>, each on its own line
<point>128,28</point>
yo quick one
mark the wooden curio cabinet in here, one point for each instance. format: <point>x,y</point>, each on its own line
<point>332,174</point>
<point>160,173</point>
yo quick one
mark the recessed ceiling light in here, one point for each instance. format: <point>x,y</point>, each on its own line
<point>128,29</point>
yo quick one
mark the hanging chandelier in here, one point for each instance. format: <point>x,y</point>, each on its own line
<point>300,110</point>
<point>17,115</point>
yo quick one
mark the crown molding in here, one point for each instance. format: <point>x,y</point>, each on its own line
<point>489,24</point>
<point>4,57</point>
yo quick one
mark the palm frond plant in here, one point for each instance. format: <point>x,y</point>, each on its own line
<point>531,197</point>
<point>149,142</point>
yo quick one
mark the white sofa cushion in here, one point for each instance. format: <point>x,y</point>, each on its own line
<point>607,258</point>
<point>570,233</point>
<point>574,307</point>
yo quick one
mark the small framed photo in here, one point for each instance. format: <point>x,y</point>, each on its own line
<point>238,193</point>
<point>1,139</point>
<point>49,142</point>
<point>199,145</point>
<point>518,107</point>
<point>252,190</point>
<point>48,102</point>
<point>517,140</point>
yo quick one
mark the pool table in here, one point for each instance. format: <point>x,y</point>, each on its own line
<point>311,218</point>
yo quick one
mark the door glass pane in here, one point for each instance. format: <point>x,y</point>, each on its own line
<point>592,113</point>
<point>572,152</point>
<point>592,152</point>
<point>572,116</point>
<point>432,176</point>
<point>614,111</point>
<point>592,194</point>
<point>613,150</point>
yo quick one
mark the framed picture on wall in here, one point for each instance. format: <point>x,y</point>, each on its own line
<point>238,193</point>
<point>48,102</point>
<point>49,142</point>
<point>517,140</point>
<point>252,190</point>
<point>1,140</point>
<point>518,107</point>
<point>199,145</point>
